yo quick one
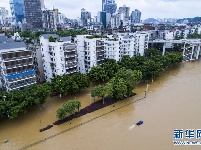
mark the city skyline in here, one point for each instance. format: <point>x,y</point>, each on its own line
<point>160,9</point>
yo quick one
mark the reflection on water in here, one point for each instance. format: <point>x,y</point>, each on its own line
<point>173,102</point>
<point>131,127</point>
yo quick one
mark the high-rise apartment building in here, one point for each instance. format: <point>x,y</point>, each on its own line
<point>33,14</point>
<point>90,52</point>
<point>136,16</point>
<point>42,4</point>
<point>17,10</point>
<point>17,69</point>
<point>85,17</point>
<point>104,18</point>
<point>125,11</point>
<point>116,20</point>
<point>58,57</point>
<point>50,19</point>
<point>3,15</point>
<point>109,6</point>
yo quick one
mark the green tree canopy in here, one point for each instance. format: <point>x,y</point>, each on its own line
<point>111,67</point>
<point>51,39</point>
<point>97,74</point>
<point>68,108</point>
<point>82,80</point>
<point>119,87</point>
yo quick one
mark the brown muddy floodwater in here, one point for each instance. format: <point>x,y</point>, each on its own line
<point>173,102</point>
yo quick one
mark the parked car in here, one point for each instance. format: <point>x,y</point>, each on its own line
<point>54,94</point>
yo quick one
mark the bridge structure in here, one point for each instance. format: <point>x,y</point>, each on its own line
<point>191,47</point>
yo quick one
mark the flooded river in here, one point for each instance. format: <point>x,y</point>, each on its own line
<point>173,102</point>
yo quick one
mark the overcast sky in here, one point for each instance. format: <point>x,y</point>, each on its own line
<point>149,8</point>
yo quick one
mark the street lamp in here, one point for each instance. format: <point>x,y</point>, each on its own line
<point>147,88</point>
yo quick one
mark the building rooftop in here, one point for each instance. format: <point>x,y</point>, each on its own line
<point>12,45</point>
<point>128,37</point>
<point>47,36</point>
<point>3,38</point>
<point>64,39</point>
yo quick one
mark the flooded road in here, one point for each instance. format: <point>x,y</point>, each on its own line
<point>173,102</point>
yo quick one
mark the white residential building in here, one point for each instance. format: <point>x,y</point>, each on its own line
<point>90,52</point>
<point>112,50</point>
<point>169,35</point>
<point>16,61</point>
<point>59,57</point>
<point>142,39</point>
<point>134,44</point>
<point>127,46</point>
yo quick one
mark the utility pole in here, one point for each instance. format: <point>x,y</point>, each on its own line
<point>90,99</point>
<point>147,88</point>
<point>39,117</point>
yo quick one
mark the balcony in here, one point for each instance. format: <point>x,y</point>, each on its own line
<point>71,71</point>
<point>100,52</point>
<point>8,56</point>
<point>69,65</point>
<point>99,43</point>
<point>99,63</point>
<point>19,65</point>
<point>69,48</point>
<point>22,85</point>
<point>98,60</point>
<point>20,74</point>
<point>71,61</point>
<point>22,78</point>
<point>50,49</point>
<point>17,58</point>
<point>70,56</point>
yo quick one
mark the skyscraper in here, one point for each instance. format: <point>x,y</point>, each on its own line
<point>33,14</point>
<point>109,6</point>
<point>125,11</point>
<point>17,10</point>
<point>85,17</point>
<point>3,16</point>
<point>136,16</point>
<point>104,18</point>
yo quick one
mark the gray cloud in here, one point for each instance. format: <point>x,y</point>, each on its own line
<point>149,8</point>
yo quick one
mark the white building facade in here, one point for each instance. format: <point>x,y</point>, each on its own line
<point>90,52</point>
<point>59,57</point>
